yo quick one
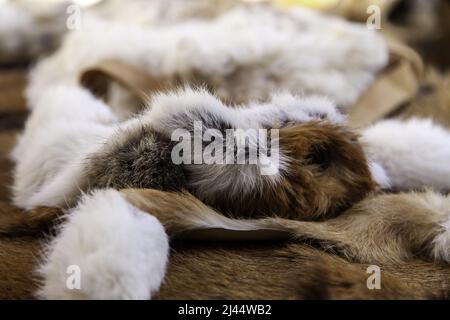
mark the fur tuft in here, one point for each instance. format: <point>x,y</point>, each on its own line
<point>415,153</point>
<point>121,252</point>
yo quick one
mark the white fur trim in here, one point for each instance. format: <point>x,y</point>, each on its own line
<point>287,107</point>
<point>301,49</point>
<point>379,175</point>
<point>67,125</point>
<point>121,251</point>
<point>179,109</point>
<point>415,153</point>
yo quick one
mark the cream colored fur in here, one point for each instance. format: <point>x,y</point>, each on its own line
<point>120,251</point>
<point>241,51</point>
<point>415,153</point>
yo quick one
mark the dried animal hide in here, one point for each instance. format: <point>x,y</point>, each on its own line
<point>322,169</point>
<point>199,270</point>
<point>385,230</point>
<point>76,152</point>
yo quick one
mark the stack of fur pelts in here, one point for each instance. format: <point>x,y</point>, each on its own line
<point>113,195</point>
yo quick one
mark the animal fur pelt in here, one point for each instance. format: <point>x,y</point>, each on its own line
<point>250,68</point>
<point>243,53</point>
<point>322,168</point>
<point>30,29</point>
<point>379,229</point>
<point>307,273</point>
<point>76,152</point>
<point>199,270</point>
<point>415,232</point>
<point>421,124</point>
<point>393,222</point>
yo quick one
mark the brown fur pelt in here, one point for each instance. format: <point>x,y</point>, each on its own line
<point>391,228</point>
<point>22,238</point>
<point>274,271</point>
<point>327,171</point>
<point>281,270</point>
<point>223,270</point>
<point>229,271</point>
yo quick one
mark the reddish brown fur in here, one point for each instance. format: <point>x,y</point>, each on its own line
<point>199,270</point>
<point>327,172</point>
<point>257,270</point>
<point>264,270</point>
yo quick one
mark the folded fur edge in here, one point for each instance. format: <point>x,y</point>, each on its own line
<point>424,216</point>
<point>118,252</point>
